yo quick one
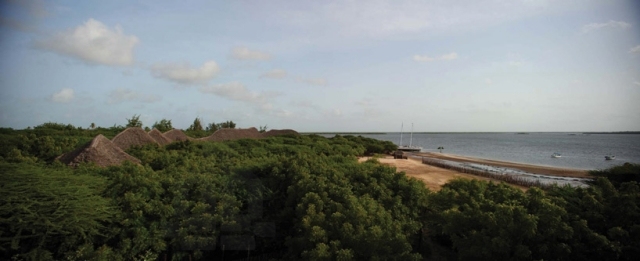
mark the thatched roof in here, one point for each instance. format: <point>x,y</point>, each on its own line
<point>272,133</point>
<point>133,136</point>
<point>99,150</point>
<point>159,137</point>
<point>233,134</point>
<point>176,135</point>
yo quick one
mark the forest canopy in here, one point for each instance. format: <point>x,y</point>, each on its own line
<point>290,197</point>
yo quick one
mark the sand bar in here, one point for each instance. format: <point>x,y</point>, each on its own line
<point>535,169</point>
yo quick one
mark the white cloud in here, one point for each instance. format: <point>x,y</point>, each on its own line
<point>636,83</point>
<point>423,58</point>
<point>63,96</point>
<point>488,81</point>
<point>449,56</point>
<point>611,24</point>
<point>444,57</point>
<point>184,74</point>
<point>93,42</point>
<point>365,102</point>
<point>283,113</point>
<point>515,63</point>
<point>275,74</point>
<point>127,95</point>
<point>235,91</point>
<point>339,20</point>
<point>313,81</point>
<point>336,112</point>
<point>305,104</point>
<point>243,53</point>
<point>635,50</point>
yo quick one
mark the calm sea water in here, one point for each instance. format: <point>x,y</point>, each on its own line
<point>578,151</point>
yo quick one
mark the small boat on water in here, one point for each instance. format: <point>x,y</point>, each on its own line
<point>610,157</point>
<point>410,147</point>
<point>556,155</point>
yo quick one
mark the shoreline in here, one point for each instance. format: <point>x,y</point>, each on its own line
<point>530,168</point>
<point>432,177</point>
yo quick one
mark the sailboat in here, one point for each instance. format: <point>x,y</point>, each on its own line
<point>410,147</point>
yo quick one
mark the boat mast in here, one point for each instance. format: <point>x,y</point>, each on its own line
<point>411,140</point>
<point>401,126</point>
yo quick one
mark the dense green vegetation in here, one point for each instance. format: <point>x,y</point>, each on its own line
<point>290,197</point>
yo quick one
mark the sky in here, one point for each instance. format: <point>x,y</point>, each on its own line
<point>343,65</point>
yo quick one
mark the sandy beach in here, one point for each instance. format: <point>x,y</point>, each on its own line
<point>433,177</point>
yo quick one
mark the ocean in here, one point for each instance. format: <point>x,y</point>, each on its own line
<point>579,151</point>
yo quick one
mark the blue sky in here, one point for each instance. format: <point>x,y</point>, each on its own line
<point>481,65</point>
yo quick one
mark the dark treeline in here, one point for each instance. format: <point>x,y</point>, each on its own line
<point>291,198</point>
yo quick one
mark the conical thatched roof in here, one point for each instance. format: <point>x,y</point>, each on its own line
<point>233,134</point>
<point>176,135</point>
<point>133,136</point>
<point>159,137</point>
<point>272,133</point>
<point>99,150</point>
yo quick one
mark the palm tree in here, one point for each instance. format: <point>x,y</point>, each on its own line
<point>440,148</point>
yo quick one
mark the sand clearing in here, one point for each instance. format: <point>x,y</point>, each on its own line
<point>545,170</point>
<point>433,177</point>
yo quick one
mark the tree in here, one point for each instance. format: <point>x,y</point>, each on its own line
<point>92,126</point>
<point>45,212</point>
<point>263,129</point>
<point>163,125</point>
<point>134,121</point>
<point>212,127</point>
<point>227,124</point>
<point>440,148</point>
<point>196,126</point>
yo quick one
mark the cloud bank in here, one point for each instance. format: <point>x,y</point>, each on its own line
<point>184,74</point>
<point>235,91</point>
<point>314,81</point>
<point>611,24</point>
<point>63,96</point>
<point>93,42</point>
<point>243,53</point>
<point>127,95</point>
<point>275,74</point>
<point>444,57</point>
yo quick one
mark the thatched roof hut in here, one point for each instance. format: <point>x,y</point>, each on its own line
<point>99,150</point>
<point>133,136</point>
<point>176,135</point>
<point>159,137</point>
<point>272,133</point>
<point>233,134</point>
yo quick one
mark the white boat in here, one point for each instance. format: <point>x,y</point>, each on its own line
<point>410,147</point>
<point>556,155</point>
<point>612,157</point>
